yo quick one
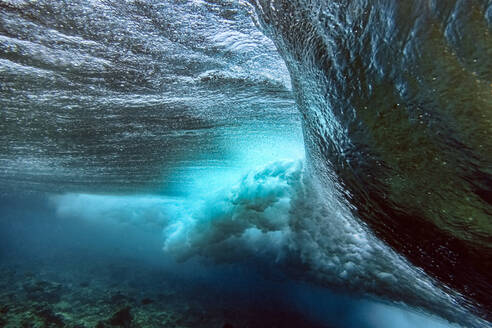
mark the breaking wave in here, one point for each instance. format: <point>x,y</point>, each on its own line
<point>279,216</point>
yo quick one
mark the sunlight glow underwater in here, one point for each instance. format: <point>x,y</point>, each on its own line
<point>242,213</point>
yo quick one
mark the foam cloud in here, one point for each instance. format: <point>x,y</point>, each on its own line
<point>278,215</point>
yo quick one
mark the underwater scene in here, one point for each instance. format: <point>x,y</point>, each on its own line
<point>246,163</point>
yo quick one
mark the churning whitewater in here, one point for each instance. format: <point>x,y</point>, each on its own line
<point>204,163</point>
<point>276,215</point>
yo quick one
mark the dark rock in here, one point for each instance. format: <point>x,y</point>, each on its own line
<point>26,324</point>
<point>122,318</point>
<point>50,318</point>
<point>146,301</point>
<point>118,298</point>
<point>4,309</point>
<point>227,325</point>
<point>101,324</point>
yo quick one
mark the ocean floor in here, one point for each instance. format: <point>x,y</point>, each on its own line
<point>58,271</point>
<point>61,272</point>
<point>131,298</point>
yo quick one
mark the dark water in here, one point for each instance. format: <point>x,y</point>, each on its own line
<point>396,102</point>
<point>247,163</point>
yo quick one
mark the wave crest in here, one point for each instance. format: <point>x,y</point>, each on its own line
<point>250,219</point>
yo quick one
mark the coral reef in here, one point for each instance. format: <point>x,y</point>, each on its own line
<point>138,297</point>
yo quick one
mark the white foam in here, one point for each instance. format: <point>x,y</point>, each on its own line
<point>279,214</point>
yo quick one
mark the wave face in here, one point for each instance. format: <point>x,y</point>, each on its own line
<point>395,99</point>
